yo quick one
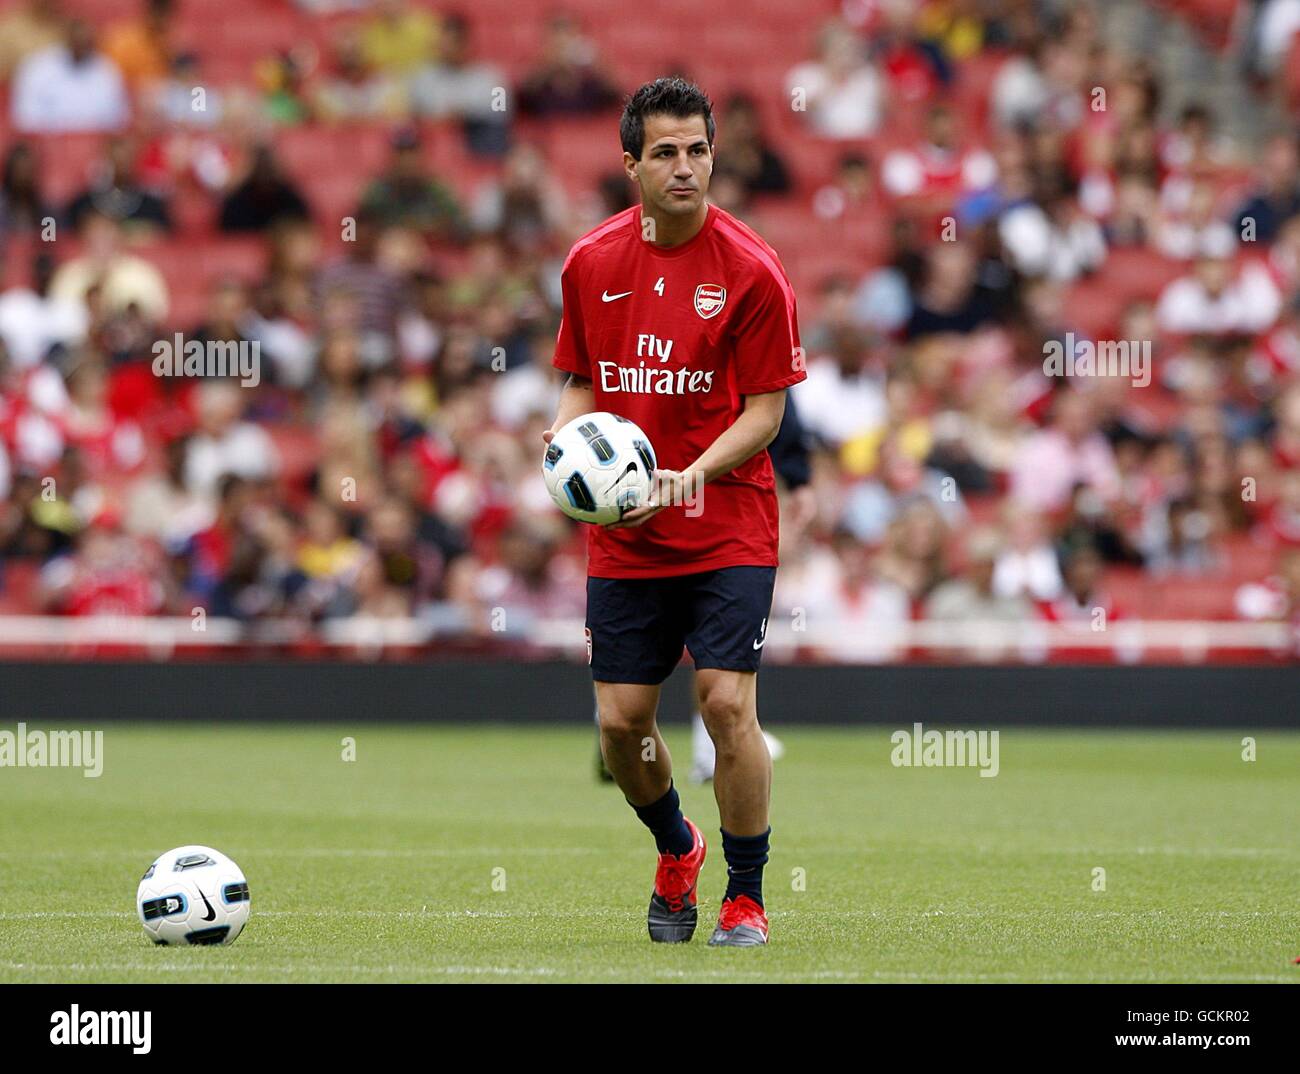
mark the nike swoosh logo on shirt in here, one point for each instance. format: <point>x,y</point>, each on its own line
<point>607,297</point>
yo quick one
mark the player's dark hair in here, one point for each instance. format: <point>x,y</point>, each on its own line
<point>663,97</point>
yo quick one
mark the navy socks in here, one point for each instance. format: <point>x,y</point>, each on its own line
<point>746,855</point>
<point>666,823</point>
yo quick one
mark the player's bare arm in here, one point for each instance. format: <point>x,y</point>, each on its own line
<point>577,397</point>
<point>747,436</point>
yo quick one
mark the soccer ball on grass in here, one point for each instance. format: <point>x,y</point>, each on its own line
<point>193,895</point>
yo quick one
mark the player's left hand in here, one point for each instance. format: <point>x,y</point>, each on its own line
<point>667,490</point>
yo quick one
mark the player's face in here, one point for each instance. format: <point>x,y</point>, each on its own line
<point>675,166</point>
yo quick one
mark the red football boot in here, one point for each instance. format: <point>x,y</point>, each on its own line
<point>671,918</point>
<point>741,923</point>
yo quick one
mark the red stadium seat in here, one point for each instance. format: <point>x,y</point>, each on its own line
<point>1095,303</point>
<point>1250,560</point>
<point>582,150</point>
<point>320,150</point>
<point>18,583</point>
<point>67,163</point>
<point>298,447</point>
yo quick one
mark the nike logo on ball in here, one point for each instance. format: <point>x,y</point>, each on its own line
<point>211,914</point>
<point>607,297</point>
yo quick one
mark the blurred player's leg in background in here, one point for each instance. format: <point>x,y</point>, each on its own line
<point>703,755</point>
<point>602,771</point>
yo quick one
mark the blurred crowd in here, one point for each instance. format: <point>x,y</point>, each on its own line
<point>386,464</point>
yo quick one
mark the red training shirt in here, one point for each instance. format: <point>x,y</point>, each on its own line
<point>672,339</point>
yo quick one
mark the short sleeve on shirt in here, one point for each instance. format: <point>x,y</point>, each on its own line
<point>571,344</point>
<point>768,354</point>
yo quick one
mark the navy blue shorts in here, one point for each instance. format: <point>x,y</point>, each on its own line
<point>636,627</point>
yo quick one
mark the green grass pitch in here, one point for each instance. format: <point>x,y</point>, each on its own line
<point>383,868</point>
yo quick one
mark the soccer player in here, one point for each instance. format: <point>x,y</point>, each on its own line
<point>680,318</point>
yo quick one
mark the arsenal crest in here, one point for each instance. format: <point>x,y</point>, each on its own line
<point>709,300</point>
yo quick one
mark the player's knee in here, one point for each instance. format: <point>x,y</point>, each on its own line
<point>726,712</point>
<point>622,724</point>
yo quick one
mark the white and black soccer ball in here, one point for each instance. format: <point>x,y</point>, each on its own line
<point>193,895</point>
<point>598,467</point>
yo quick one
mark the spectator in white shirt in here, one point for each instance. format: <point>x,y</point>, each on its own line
<point>841,92</point>
<point>69,87</point>
<point>224,443</point>
<point>1020,91</point>
<point>32,321</point>
<point>1184,236</point>
<point>1027,565</point>
<point>1217,299</point>
<point>1053,237</point>
<point>843,397</point>
<point>458,87</point>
